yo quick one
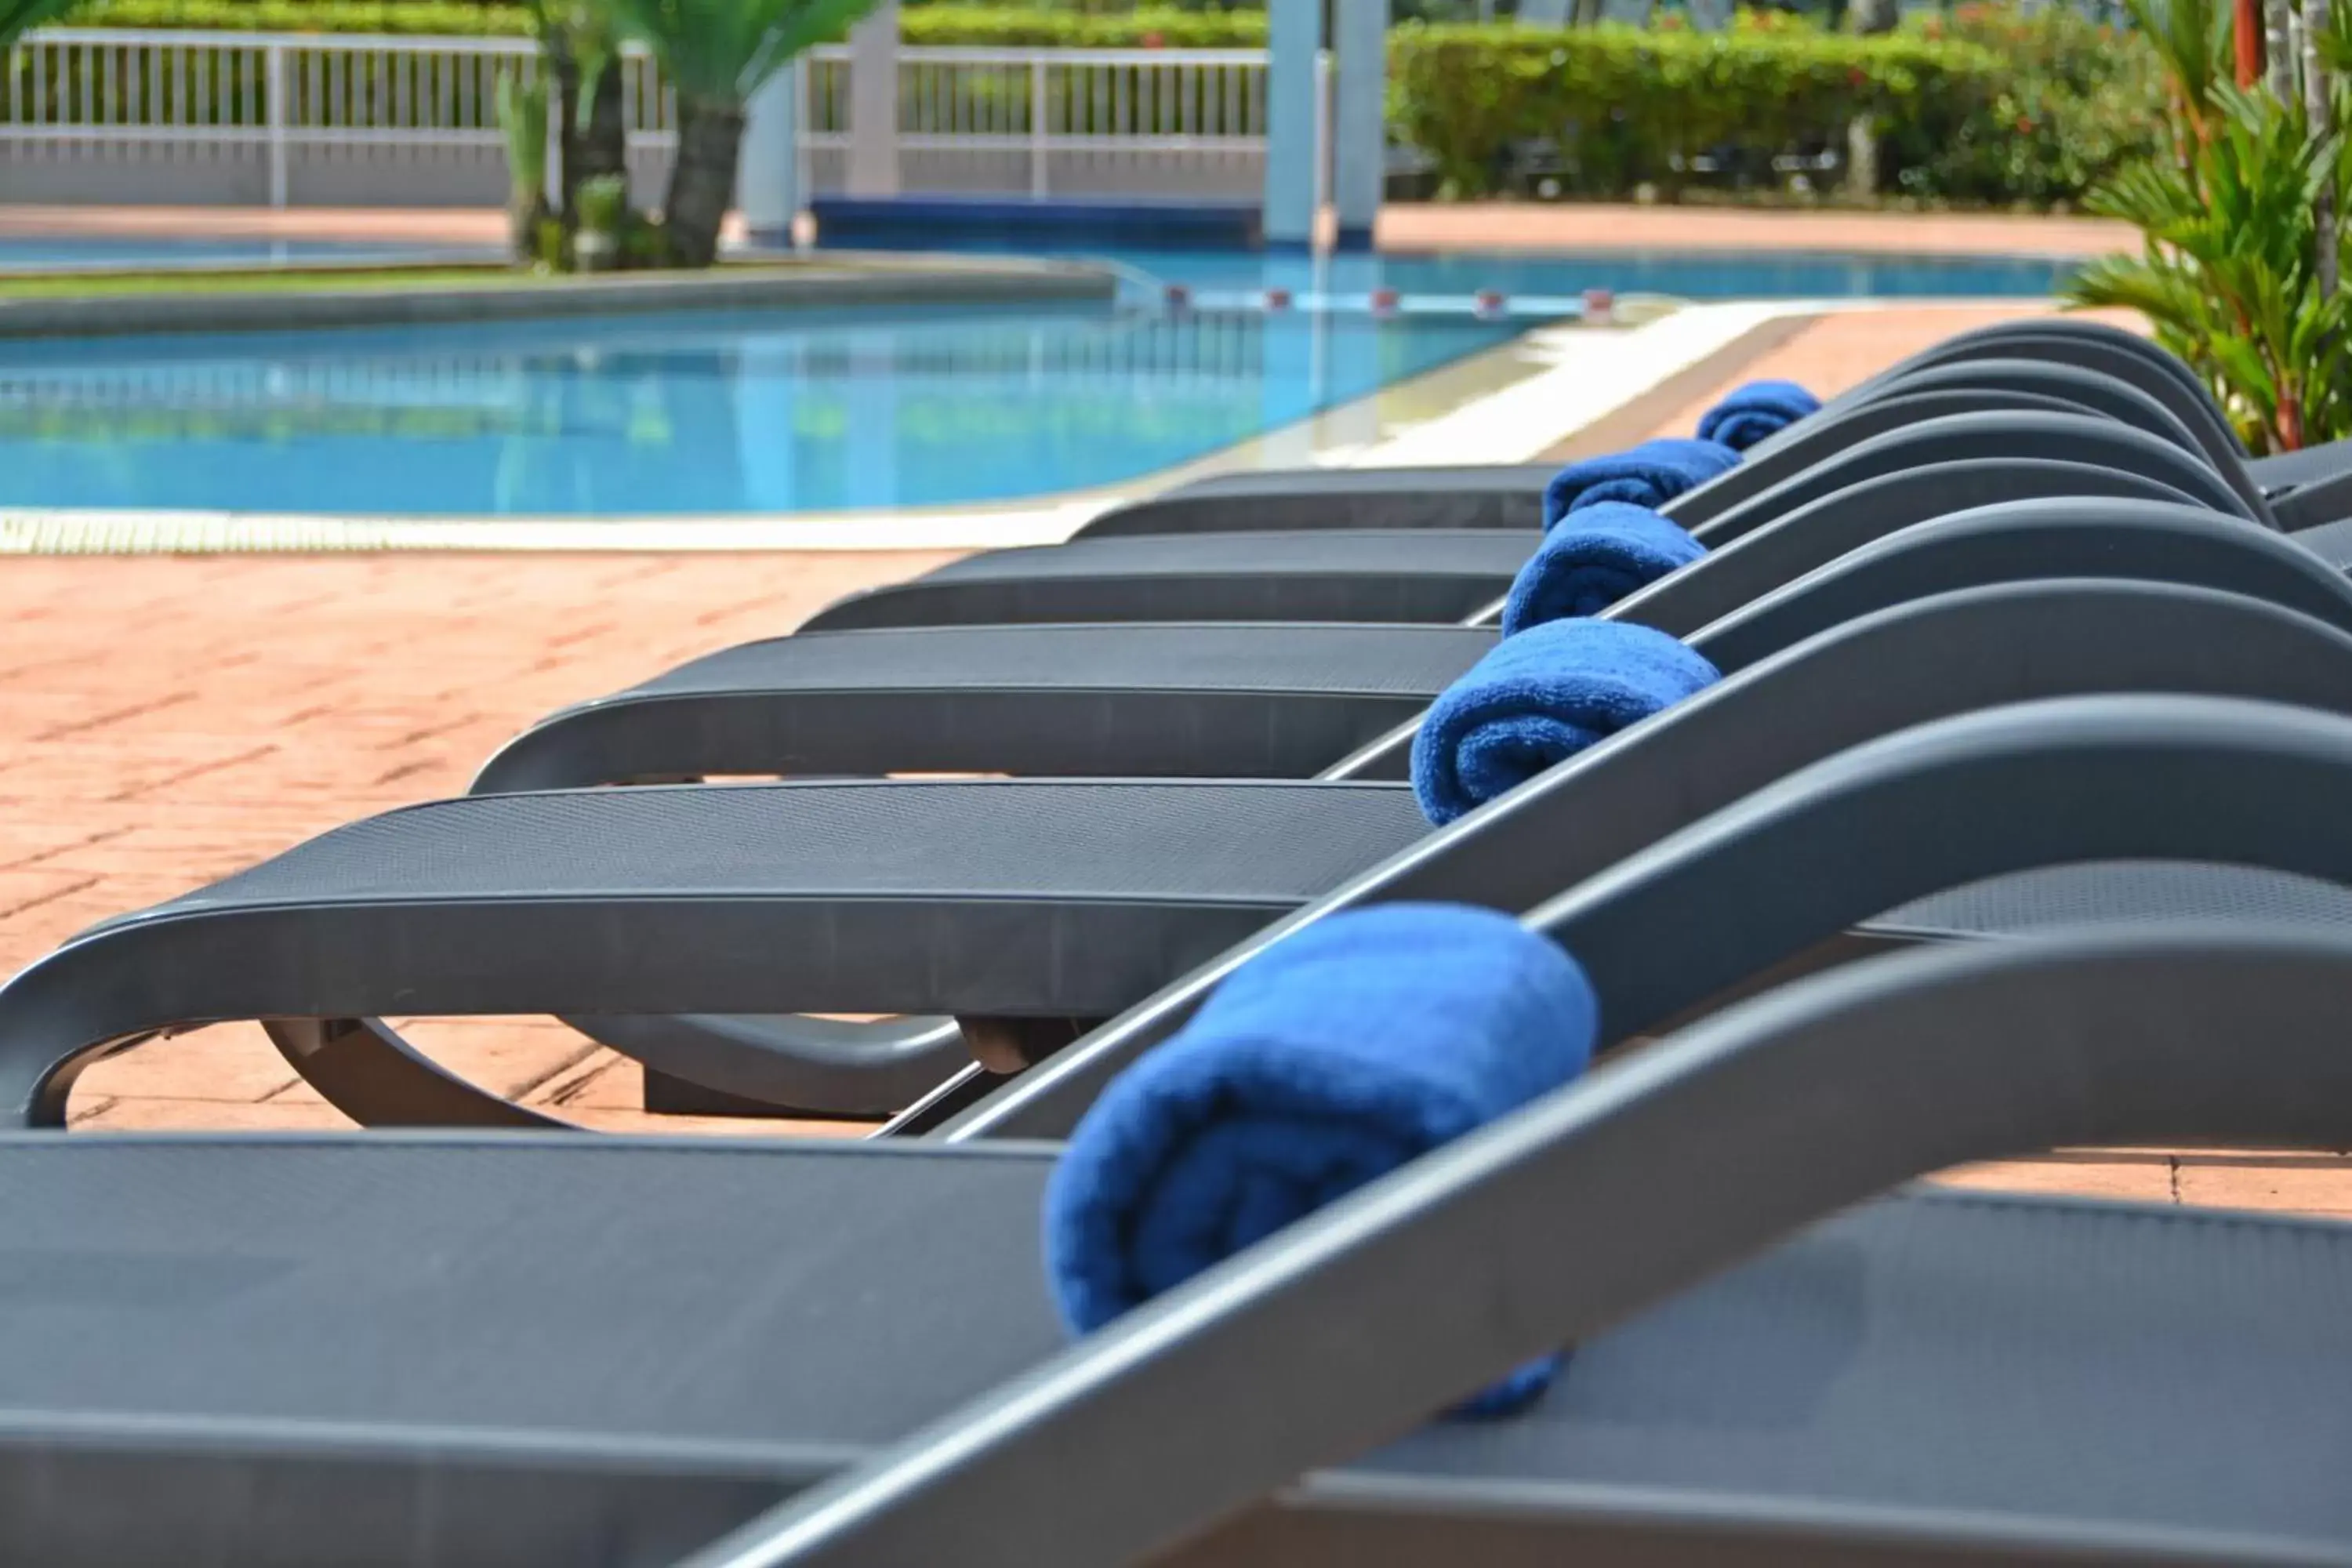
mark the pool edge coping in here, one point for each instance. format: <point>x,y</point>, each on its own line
<point>963,280</point>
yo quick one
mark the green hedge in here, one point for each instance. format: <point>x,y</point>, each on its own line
<point>2079,99</point>
<point>445,18</point>
<point>1004,27</point>
<point>1145,27</point>
<point>1626,106</point>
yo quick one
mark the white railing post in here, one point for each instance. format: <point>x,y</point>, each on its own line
<point>1322,132</point>
<point>1359,157</point>
<point>804,121</point>
<point>552,183</point>
<point>767,176</point>
<point>1294,175</point>
<point>1037,130</point>
<point>274,74</point>
<point>874,103</point>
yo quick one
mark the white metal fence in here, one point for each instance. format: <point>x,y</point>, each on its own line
<point>1046,121</point>
<point>118,115</point>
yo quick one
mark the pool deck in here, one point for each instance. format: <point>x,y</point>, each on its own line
<point>167,719</point>
<point>1474,226</point>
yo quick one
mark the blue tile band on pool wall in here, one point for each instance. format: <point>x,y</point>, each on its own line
<point>911,222</point>
<point>782,411</point>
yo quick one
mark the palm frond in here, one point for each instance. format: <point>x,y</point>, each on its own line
<point>18,17</point>
<point>720,51</point>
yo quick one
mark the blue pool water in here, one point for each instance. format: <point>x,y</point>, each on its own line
<point>754,412</point>
<point>1692,275</point>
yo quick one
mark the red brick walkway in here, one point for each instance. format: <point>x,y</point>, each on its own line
<point>166,720</point>
<point>1472,225</point>
<point>163,722</point>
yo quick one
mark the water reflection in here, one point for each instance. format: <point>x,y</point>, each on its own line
<point>681,415</point>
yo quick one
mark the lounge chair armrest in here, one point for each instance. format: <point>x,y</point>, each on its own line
<point>1815,535</point>
<point>2003,436</point>
<point>2023,539</point>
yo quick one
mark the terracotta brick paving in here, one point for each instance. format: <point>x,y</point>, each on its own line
<point>1496,226</point>
<point>1840,351</point>
<point>166,720</point>
<point>1528,225</point>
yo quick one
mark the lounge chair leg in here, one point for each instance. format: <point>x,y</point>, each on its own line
<point>1010,1045</point>
<point>364,1070</point>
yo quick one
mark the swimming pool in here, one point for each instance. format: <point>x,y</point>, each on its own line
<point>781,412</point>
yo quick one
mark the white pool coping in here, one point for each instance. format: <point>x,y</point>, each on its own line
<point>1557,380</point>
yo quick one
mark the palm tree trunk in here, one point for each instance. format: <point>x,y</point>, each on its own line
<point>2319,118</point>
<point>602,146</point>
<point>562,103</point>
<point>702,182</point>
<point>2246,34</point>
<point>2278,52</point>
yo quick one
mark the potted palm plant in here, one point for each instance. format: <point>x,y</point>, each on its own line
<point>19,16</point>
<point>716,54</point>
<point>2241,250</point>
<point>604,212</point>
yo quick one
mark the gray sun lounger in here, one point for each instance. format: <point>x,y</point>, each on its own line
<point>1226,700</point>
<point>1275,574</point>
<point>2310,487</point>
<point>1396,574</point>
<point>459,1350</point>
<point>1066,900</point>
<point>1511,496</point>
<point>1257,701</point>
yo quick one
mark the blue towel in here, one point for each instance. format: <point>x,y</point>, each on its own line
<point>1332,1058</point>
<point>1760,409</point>
<point>1595,557</point>
<point>1651,475</point>
<point>1539,698</point>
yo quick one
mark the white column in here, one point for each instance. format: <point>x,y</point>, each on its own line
<point>1359,128</point>
<point>768,174</point>
<point>280,110</point>
<point>1294,39</point>
<point>874,103</point>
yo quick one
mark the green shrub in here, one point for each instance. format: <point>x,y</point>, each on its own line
<point>1625,105</point>
<point>2080,100</point>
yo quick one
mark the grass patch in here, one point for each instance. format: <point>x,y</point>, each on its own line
<point>311,280</point>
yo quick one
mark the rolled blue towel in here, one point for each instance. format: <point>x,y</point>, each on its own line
<point>1330,1058</point>
<point>1756,411</point>
<point>1595,557</point>
<point>1651,475</point>
<point>1540,697</point>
